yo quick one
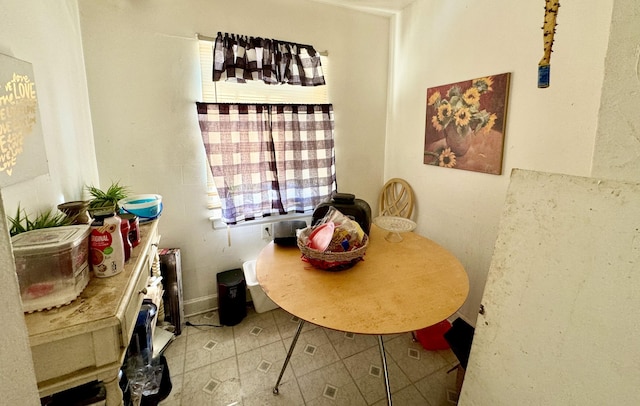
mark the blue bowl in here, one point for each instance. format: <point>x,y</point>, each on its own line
<point>143,206</point>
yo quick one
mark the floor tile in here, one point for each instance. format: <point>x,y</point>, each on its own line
<point>330,385</point>
<point>408,396</point>
<point>288,324</point>
<point>260,368</point>
<point>313,351</point>
<point>255,331</point>
<point>215,384</point>
<point>239,366</point>
<point>439,388</point>
<point>288,395</point>
<point>412,358</point>
<point>348,344</point>
<point>366,370</point>
<point>175,355</point>
<point>205,347</point>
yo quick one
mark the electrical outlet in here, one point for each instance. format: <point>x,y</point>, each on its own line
<point>267,232</point>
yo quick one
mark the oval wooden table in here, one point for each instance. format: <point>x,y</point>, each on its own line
<point>398,287</point>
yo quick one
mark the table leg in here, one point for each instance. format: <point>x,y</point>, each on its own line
<point>286,360</point>
<point>385,370</point>
<point>114,393</point>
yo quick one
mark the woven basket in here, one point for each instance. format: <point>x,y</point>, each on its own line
<point>332,261</point>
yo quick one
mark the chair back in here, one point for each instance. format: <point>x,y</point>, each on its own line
<point>396,199</point>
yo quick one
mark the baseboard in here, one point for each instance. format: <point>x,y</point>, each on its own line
<point>206,304</point>
<point>203,304</point>
<point>200,305</point>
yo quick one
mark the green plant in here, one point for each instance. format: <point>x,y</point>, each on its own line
<point>22,223</point>
<point>108,198</point>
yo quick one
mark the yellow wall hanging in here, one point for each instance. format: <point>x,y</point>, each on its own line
<point>549,29</point>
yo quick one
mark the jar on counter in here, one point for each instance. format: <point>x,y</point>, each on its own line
<point>134,228</point>
<point>106,244</point>
<point>126,243</point>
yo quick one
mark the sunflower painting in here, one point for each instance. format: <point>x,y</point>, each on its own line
<point>465,124</point>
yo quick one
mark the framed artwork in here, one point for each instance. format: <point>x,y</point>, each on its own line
<point>22,150</point>
<point>465,124</point>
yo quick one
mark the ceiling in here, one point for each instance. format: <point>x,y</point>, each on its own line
<point>382,6</point>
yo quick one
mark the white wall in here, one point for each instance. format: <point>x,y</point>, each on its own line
<point>143,75</point>
<point>617,148</point>
<point>549,129</point>
<point>46,34</point>
<point>51,43</point>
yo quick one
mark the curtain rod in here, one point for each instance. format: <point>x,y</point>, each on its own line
<point>212,39</point>
<point>264,104</point>
<point>205,38</point>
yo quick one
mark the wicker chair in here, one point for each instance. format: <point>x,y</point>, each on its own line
<point>396,199</point>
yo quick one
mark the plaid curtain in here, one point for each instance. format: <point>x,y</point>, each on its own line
<point>269,159</point>
<point>240,58</point>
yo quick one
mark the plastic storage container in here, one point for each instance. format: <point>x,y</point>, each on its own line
<point>147,206</point>
<point>52,265</point>
<point>261,301</point>
<point>432,337</point>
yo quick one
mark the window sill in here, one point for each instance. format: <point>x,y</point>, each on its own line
<point>218,224</point>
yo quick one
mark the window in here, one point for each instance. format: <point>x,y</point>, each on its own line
<point>270,147</point>
<point>254,91</point>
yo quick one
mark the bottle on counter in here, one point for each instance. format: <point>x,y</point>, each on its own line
<point>106,244</point>
<point>134,228</point>
<point>126,243</point>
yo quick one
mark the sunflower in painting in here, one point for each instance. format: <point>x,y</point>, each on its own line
<point>461,108</point>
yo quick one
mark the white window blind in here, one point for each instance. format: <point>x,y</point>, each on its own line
<point>256,91</point>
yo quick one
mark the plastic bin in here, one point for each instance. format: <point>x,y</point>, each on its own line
<point>432,338</point>
<point>52,265</point>
<point>261,301</point>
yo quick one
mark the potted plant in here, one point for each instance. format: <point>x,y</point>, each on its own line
<point>102,200</point>
<point>22,223</point>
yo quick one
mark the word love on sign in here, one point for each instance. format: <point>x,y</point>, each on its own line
<point>22,152</point>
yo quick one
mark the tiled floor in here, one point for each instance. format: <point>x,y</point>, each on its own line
<point>239,365</point>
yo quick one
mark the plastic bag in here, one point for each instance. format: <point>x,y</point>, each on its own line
<point>347,234</point>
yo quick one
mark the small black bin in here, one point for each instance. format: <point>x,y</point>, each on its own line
<point>232,297</point>
<point>460,338</point>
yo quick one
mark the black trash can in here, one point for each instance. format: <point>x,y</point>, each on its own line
<point>232,297</point>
